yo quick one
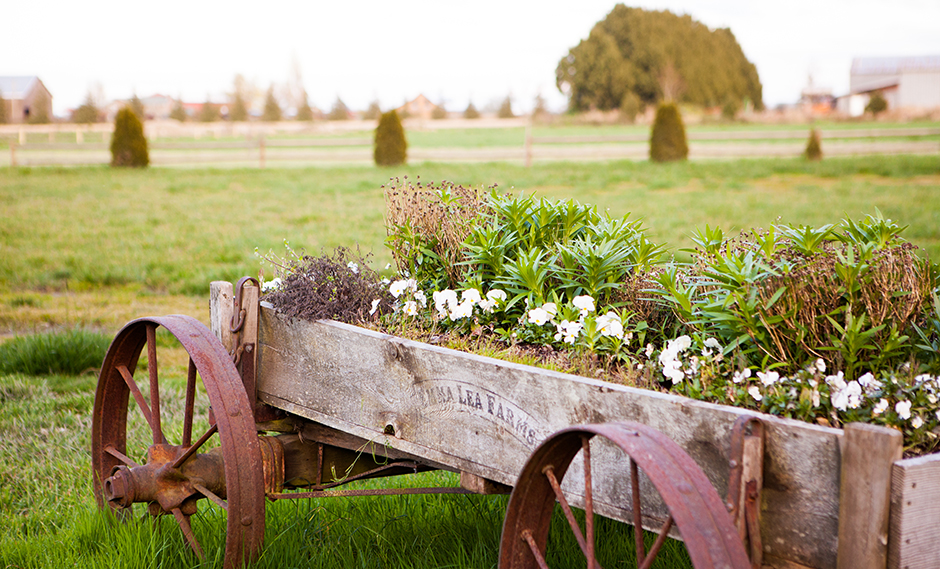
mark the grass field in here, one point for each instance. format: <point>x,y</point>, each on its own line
<point>94,248</point>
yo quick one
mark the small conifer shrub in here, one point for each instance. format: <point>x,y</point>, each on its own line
<point>668,142</point>
<point>876,104</point>
<point>178,113</point>
<point>128,143</point>
<point>272,110</point>
<point>505,109</point>
<point>813,148</point>
<point>390,145</point>
<point>471,112</point>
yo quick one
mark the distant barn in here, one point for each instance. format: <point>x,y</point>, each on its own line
<point>23,96</point>
<point>905,82</point>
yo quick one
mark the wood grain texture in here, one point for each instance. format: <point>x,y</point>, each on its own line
<point>486,416</point>
<point>868,451</point>
<point>915,514</point>
<point>220,311</point>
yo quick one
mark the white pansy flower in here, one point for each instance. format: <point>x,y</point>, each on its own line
<point>568,331</point>
<point>903,409</point>
<point>354,267</point>
<point>421,298</point>
<point>444,300</point>
<point>551,308</point>
<point>270,285</point>
<point>740,376</point>
<point>917,422</point>
<point>410,308</point>
<point>375,306</point>
<point>538,316</point>
<point>472,295</point>
<point>932,398</point>
<point>398,287</point>
<point>815,397</point>
<point>462,310</point>
<point>840,400</point>
<point>880,407</point>
<point>649,350</point>
<point>712,343</point>
<point>584,303</point>
<point>755,392</point>
<point>854,393</point>
<point>672,371</point>
<point>768,378</point>
<point>385,281</point>
<point>496,294</point>
<point>680,344</point>
<point>609,325</point>
<point>836,381</point>
<point>821,365</point>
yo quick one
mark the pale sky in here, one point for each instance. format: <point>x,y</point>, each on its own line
<point>455,52</point>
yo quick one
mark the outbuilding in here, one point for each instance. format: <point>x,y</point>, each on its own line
<point>25,97</point>
<point>911,83</point>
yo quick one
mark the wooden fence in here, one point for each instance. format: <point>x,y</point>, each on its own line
<point>350,142</point>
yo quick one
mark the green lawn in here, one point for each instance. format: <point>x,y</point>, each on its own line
<point>96,247</point>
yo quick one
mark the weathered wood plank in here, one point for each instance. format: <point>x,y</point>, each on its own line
<point>868,451</point>
<point>220,311</point>
<point>915,514</point>
<point>486,416</point>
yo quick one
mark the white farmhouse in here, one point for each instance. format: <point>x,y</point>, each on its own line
<point>905,82</point>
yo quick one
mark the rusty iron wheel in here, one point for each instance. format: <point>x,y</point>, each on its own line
<point>175,474</point>
<point>694,506</point>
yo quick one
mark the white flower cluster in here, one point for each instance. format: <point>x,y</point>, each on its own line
<point>608,325</point>
<point>271,285</point>
<point>449,306</point>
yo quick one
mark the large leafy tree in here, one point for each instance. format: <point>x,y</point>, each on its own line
<point>641,51</point>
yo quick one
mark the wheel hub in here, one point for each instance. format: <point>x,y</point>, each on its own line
<point>164,486</point>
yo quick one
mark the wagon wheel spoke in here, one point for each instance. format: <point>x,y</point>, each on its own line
<point>120,456</point>
<point>188,410</point>
<point>534,548</point>
<point>192,449</point>
<point>660,540</point>
<point>183,521</point>
<point>155,426</point>
<point>549,472</point>
<point>588,503</point>
<point>211,495</point>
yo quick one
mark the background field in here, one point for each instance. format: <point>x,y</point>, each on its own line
<point>93,247</point>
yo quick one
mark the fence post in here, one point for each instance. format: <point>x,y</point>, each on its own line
<point>261,150</point>
<point>528,143</point>
<point>79,136</point>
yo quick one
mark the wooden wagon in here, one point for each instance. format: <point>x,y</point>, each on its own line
<point>300,408</point>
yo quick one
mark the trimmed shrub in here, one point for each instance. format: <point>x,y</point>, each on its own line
<point>471,112</point>
<point>209,112</point>
<point>87,113</point>
<point>304,112</point>
<point>128,143</point>
<point>813,148</point>
<point>390,145</point>
<point>667,142</point>
<point>876,104</point>
<point>238,110</point>
<point>439,112</point>
<point>373,112</point>
<point>272,111</point>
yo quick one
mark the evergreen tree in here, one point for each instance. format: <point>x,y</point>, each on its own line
<point>138,107</point>
<point>373,112</point>
<point>178,113</point>
<point>813,147</point>
<point>238,109</point>
<point>439,112</point>
<point>87,113</point>
<point>630,48</point>
<point>4,119</point>
<point>390,145</point>
<point>630,107</point>
<point>876,104</point>
<point>539,109</point>
<point>339,112</point>
<point>668,142</point>
<point>209,112</point>
<point>39,110</point>
<point>505,109</point>
<point>304,112</point>
<point>128,143</point>
<point>272,111</point>
<point>471,112</point>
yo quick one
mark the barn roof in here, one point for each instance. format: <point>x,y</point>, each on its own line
<point>891,65</point>
<point>16,87</point>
